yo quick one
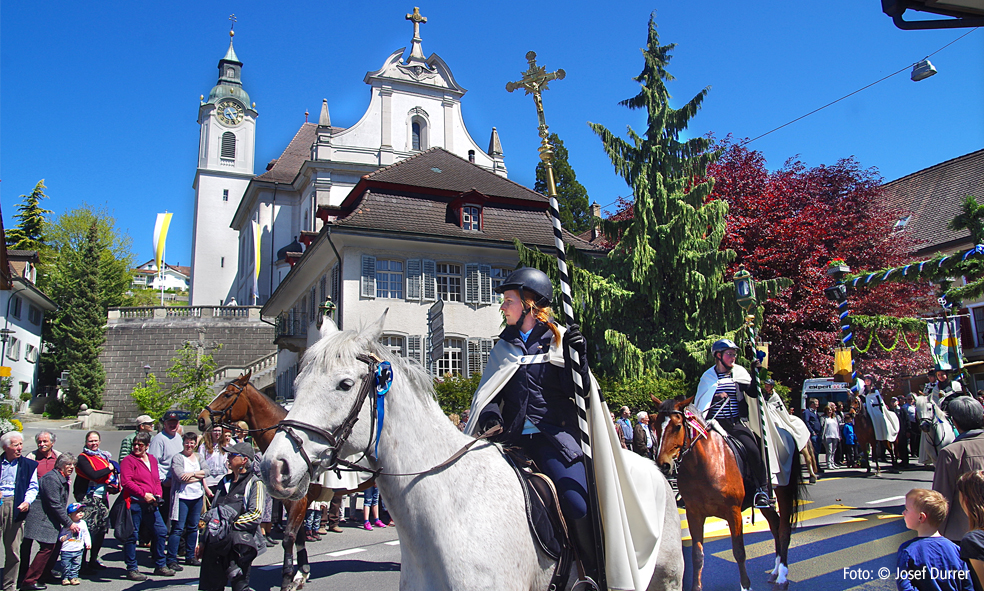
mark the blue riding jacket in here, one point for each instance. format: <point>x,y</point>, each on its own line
<point>539,392</point>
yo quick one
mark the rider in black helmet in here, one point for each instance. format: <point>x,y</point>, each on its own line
<point>536,407</point>
<point>720,396</point>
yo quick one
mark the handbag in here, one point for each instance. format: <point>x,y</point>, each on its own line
<point>121,519</point>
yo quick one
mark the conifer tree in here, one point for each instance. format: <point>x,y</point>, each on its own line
<point>80,330</point>
<point>572,197</point>
<point>29,234</point>
<point>664,283</point>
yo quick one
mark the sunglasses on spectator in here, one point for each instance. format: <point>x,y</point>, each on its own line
<point>139,445</point>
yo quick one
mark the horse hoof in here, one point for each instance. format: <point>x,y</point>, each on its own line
<point>780,586</point>
<point>772,578</point>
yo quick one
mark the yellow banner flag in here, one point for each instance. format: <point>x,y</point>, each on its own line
<point>160,236</point>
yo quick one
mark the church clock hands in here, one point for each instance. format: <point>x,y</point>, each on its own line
<point>230,112</point>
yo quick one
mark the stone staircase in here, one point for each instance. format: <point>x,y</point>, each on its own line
<point>264,373</point>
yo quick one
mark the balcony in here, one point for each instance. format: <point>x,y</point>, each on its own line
<point>291,331</point>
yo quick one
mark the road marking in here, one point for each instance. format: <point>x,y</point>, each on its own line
<point>346,552</point>
<point>801,538</point>
<point>393,543</point>
<point>885,500</point>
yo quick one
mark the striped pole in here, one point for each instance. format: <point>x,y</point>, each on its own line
<point>534,81</point>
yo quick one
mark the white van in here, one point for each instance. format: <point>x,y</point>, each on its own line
<point>825,390</point>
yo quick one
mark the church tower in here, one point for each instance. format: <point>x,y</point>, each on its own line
<point>225,167</point>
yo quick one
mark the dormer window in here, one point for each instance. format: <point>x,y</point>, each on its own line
<point>471,218</point>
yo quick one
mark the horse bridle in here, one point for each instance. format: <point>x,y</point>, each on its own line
<point>221,414</point>
<point>689,440</point>
<point>337,437</point>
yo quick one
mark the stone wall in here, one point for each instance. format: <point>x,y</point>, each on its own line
<point>138,337</point>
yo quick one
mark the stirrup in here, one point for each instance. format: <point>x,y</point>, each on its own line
<point>585,583</point>
<point>762,500</point>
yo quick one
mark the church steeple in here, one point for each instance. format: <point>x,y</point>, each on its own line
<point>230,83</point>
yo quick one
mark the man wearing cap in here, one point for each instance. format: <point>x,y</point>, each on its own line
<point>242,489</point>
<point>965,454</point>
<point>143,423</point>
<point>164,446</point>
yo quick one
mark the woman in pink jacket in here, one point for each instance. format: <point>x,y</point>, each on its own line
<point>142,487</point>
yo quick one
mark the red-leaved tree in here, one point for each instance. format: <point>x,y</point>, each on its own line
<point>791,223</point>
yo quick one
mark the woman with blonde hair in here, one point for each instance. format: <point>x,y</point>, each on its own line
<point>970,492</point>
<point>535,406</point>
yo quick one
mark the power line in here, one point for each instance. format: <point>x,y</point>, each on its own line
<point>746,142</point>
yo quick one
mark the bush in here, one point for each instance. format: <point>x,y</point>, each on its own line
<point>454,392</point>
<point>25,396</point>
<point>151,398</point>
<point>637,392</point>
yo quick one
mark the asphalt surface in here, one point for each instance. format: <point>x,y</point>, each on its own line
<point>850,529</point>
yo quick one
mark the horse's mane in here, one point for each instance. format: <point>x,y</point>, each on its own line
<point>347,344</point>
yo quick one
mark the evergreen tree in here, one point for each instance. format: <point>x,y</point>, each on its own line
<point>661,296</point>
<point>29,234</point>
<point>575,213</point>
<point>80,330</point>
<point>81,242</point>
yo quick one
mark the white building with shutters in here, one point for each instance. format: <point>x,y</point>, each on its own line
<point>431,227</point>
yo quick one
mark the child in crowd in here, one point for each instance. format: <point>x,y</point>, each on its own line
<point>970,491</point>
<point>929,561</point>
<point>850,441</point>
<point>73,544</point>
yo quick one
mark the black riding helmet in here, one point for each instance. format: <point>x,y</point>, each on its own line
<point>527,280</point>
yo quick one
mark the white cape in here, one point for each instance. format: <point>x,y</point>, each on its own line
<point>631,490</point>
<point>781,437</point>
<point>886,424</point>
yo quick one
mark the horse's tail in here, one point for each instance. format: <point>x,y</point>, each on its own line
<point>797,488</point>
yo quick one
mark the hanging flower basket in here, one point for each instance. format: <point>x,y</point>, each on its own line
<point>837,266</point>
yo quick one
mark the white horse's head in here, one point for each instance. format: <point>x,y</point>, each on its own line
<point>326,393</point>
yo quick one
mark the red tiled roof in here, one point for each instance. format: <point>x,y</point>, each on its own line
<point>934,196</point>
<point>297,152</point>
<point>439,169</point>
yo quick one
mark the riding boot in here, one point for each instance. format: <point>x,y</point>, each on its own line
<point>581,533</point>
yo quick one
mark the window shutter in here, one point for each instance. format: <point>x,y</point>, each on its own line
<point>472,284</point>
<point>414,349</point>
<point>368,276</point>
<point>413,280</point>
<point>485,284</point>
<point>487,345</point>
<point>429,283</point>
<point>474,365</point>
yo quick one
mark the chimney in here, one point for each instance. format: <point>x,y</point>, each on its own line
<point>595,213</point>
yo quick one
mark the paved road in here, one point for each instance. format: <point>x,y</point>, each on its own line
<point>848,521</point>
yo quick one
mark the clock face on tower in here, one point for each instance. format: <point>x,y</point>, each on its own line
<point>229,112</point>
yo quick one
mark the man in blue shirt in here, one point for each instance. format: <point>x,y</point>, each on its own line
<point>626,426</point>
<point>19,488</point>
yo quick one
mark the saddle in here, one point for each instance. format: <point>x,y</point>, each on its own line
<point>741,458</point>
<point>544,517</point>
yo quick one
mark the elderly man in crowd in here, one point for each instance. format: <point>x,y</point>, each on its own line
<point>144,423</point>
<point>46,454</point>
<point>642,438</point>
<point>164,446</point>
<point>625,426</point>
<point>965,454</point>
<point>47,519</point>
<point>19,488</point>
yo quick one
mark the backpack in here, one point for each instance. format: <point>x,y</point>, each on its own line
<point>218,527</point>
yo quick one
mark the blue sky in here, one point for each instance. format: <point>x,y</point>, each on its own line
<point>100,99</point>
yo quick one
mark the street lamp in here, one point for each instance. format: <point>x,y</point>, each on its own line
<point>146,371</point>
<point>744,288</point>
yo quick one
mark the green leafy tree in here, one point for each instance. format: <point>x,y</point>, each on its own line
<point>661,296</point>
<point>191,374</point>
<point>29,234</point>
<point>152,398</point>
<point>572,197</point>
<point>84,253</point>
<point>79,330</point>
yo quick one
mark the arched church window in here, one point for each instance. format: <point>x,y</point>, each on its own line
<point>228,145</point>
<point>415,131</point>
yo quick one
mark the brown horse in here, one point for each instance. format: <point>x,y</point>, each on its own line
<point>240,401</point>
<point>865,432</point>
<point>710,484</point>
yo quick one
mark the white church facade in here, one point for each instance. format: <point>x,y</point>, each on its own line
<point>415,105</point>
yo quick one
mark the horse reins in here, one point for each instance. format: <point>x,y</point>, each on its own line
<point>339,436</point>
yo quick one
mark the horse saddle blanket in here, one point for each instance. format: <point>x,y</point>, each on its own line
<point>542,510</point>
<point>885,422</point>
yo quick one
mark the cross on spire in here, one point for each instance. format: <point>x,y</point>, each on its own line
<point>232,20</point>
<point>416,52</point>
